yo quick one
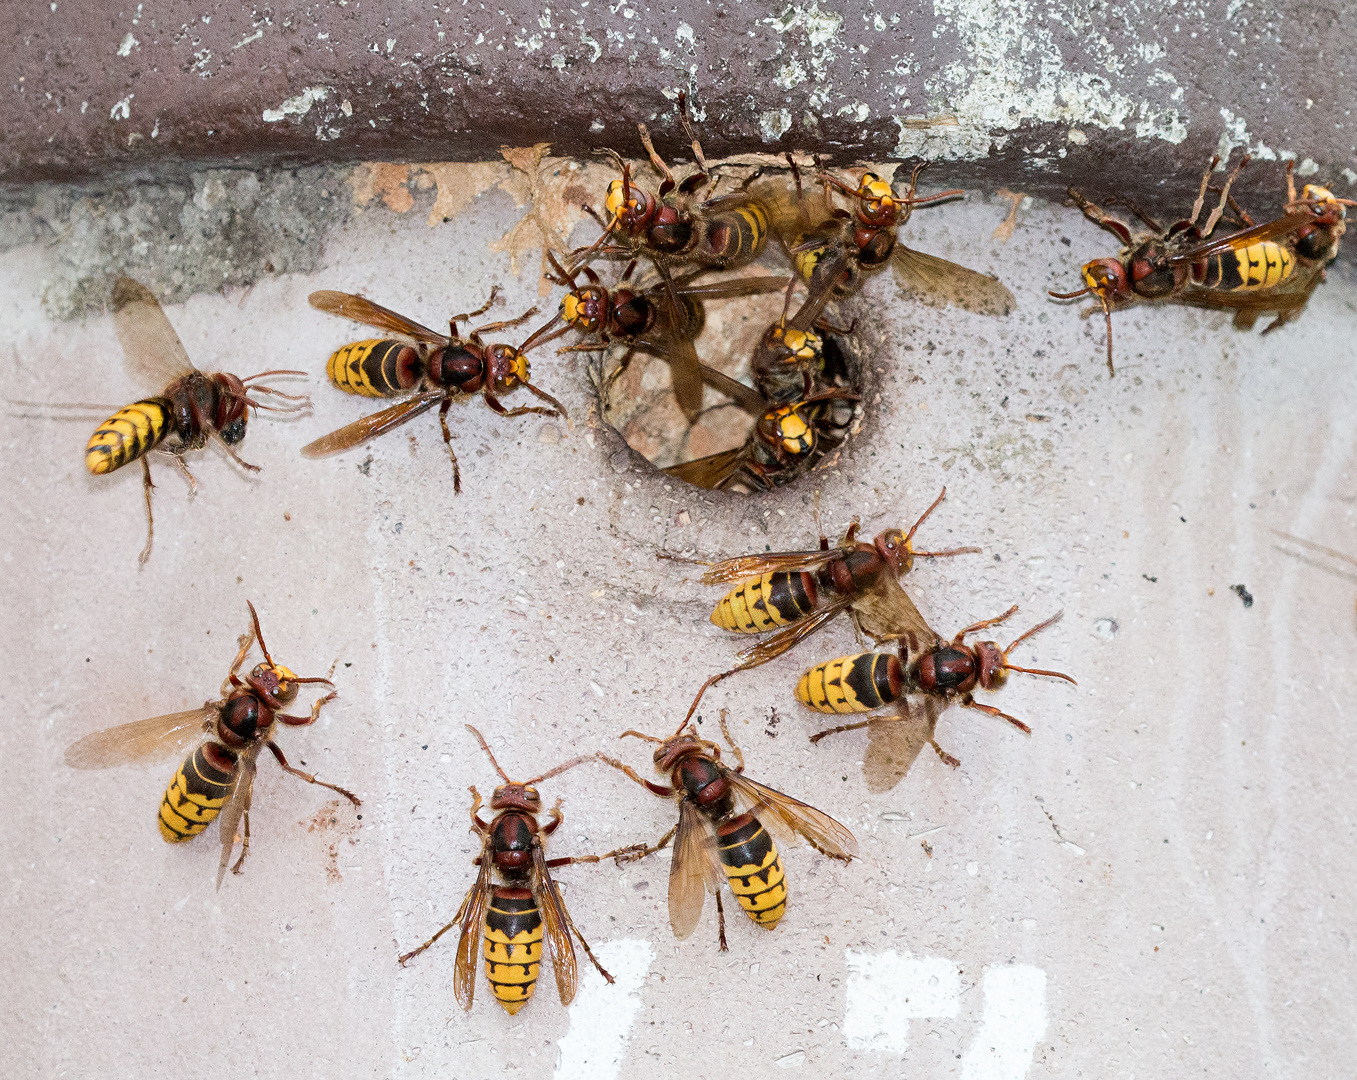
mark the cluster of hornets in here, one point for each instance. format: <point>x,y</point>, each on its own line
<point>835,234</point>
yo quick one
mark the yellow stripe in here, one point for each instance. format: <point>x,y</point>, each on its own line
<point>345,368</point>
<point>125,436</point>
<point>184,816</point>
<point>764,895</point>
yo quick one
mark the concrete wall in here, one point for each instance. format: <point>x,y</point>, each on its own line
<point>1020,93</point>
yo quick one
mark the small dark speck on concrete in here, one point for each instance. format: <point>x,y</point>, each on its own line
<point>1148,578</point>
<point>1243,593</point>
<point>1065,240</point>
<point>1183,520</point>
<point>365,465</point>
<point>399,526</point>
<point>997,557</point>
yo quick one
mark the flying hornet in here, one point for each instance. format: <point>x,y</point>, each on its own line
<point>193,408</point>
<point>216,781</point>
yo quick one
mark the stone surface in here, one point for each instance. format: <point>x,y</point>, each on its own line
<point>1031,95</point>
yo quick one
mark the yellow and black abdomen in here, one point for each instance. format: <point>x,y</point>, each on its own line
<point>775,599</point>
<point>1263,265</point>
<point>197,793</point>
<point>129,434</point>
<point>513,945</point>
<point>375,368</point>
<point>737,236</point>
<point>850,684</point>
<point>753,869</point>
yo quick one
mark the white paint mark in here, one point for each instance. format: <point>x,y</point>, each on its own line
<point>129,43</point>
<point>246,40</point>
<point>1014,1020</point>
<point>1308,167</point>
<point>123,109</point>
<point>886,990</point>
<point>601,1015</point>
<point>687,34</point>
<point>793,1060</point>
<point>297,106</point>
<point>774,123</point>
<point>1350,177</point>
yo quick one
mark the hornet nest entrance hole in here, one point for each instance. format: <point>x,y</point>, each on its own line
<point>722,449</point>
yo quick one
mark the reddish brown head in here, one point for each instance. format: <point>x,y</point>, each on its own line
<point>677,747</point>
<point>513,796</point>
<point>231,405</point>
<point>276,685</point>
<point>897,549</point>
<point>1106,279</point>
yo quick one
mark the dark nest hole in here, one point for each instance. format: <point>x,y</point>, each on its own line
<point>639,402</point>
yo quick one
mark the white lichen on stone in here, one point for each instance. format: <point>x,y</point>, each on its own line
<point>297,106</point>
<point>1012,72</point>
<point>774,123</point>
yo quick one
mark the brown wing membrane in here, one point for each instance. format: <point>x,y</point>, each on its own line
<point>238,805</point>
<point>938,282</point>
<point>142,740</point>
<point>472,917</point>
<point>886,613</point>
<point>817,828</point>
<point>746,397</point>
<point>558,927</point>
<point>743,567</point>
<point>685,372</point>
<point>774,646</point>
<point>745,286</point>
<point>1268,230</point>
<point>153,352</point>
<point>1290,295</point>
<point>369,427</point>
<point>894,742</point>
<point>360,309</point>
<point>711,471</point>
<point>694,872</point>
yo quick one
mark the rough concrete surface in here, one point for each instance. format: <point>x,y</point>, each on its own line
<point>1035,94</point>
<point>1154,884</point>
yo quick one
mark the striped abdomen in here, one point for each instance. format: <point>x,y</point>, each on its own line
<point>851,684</point>
<point>375,368</point>
<point>763,603</point>
<point>197,793</point>
<point>513,945</point>
<point>128,434</point>
<point>737,236</point>
<point>753,869</point>
<point>1257,266</point>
